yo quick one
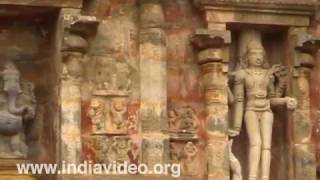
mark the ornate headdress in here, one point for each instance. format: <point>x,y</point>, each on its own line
<point>253,44</point>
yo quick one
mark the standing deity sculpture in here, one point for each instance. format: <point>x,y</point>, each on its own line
<point>118,113</point>
<point>255,91</point>
<point>97,115</point>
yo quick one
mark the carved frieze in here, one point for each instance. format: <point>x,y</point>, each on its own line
<point>108,107</point>
<point>108,115</point>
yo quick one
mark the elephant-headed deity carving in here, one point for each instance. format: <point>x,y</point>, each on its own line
<point>17,108</point>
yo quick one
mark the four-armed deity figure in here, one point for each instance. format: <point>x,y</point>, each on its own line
<point>254,92</point>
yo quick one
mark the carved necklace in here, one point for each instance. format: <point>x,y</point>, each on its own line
<point>257,71</point>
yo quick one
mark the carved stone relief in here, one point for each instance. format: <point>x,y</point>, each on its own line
<point>256,85</point>
<point>116,149</point>
<point>155,151</point>
<point>183,121</point>
<point>186,154</point>
<point>108,115</point>
<point>17,109</point>
<point>108,106</point>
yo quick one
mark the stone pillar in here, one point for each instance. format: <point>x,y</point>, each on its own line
<point>211,45</point>
<point>153,83</point>
<point>303,47</point>
<point>74,50</point>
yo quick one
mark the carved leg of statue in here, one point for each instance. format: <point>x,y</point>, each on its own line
<point>266,131</point>
<point>253,129</point>
<point>17,145</point>
<point>234,164</point>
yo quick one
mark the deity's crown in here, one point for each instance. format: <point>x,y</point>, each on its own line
<point>254,44</point>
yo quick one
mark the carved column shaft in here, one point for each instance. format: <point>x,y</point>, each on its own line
<point>153,83</point>
<point>303,46</point>
<point>212,58</point>
<point>74,54</point>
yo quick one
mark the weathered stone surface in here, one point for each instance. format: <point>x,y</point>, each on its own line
<point>108,115</point>
<point>155,149</point>
<point>305,161</point>
<point>71,123</point>
<point>253,18</point>
<point>8,170</point>
<point>45,3</point>
<point>278,2</point>
<point>186,153</point>
<point>210,38</point>
<point>218,160</point>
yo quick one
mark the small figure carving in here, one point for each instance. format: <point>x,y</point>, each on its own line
<point>118,114</point>
<point>97,115</point>
<point>102,148</point>
<point>188,120</point>
<point>173,120</point>
<point>182,120</point>
<point>188,159</point>
<point>119,150</point>
<point>174,153</point>
<point>254,84</point>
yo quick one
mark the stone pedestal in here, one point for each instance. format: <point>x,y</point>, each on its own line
<point>8,170</point>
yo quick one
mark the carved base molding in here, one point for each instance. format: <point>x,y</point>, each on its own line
<point>8,170</point>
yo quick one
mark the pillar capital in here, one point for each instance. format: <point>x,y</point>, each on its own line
<point>207,38</point>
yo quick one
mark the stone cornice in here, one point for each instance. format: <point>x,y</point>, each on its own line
<point>292,13</point>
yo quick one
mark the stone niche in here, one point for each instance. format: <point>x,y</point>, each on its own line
<point>274,40</point>
<point>28,95</point>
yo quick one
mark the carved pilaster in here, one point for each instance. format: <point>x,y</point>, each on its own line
<point>77,29</point>
<point>212,59</point>
<point>153,83</point>
<point>303,49</point>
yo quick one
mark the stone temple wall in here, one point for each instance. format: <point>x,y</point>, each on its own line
<point>155,81</point>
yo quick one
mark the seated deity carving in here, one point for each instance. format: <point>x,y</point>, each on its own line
<point>182,120</point>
